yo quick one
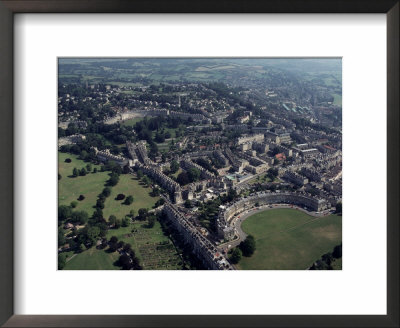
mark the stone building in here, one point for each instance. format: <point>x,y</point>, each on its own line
<point>250,138</point>
<point>202,247</point>
<point>187,164</point>
<point>105,155</point>
<point>166,182</point>
<point>266,198</point>
<point>295,178</point>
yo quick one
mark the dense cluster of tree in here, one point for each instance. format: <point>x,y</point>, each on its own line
<point>236,255</point>
<point>207,165</point>
<point>127,259</point>
<point>189,176</point>
<point>325,262</point>
<point>272,173</point>
<point>339,208</point>
<point>248,246</point>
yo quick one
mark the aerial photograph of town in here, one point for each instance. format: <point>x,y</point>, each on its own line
<point>199,164</point>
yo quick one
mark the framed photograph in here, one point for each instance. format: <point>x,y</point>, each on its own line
<point>217,164</point>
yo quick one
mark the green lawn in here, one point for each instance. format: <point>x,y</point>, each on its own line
<point>288,239</point>
<point>128,185</point>
<point>69,188</point>
<point>337,99</point>
<point>92,184</point>
<point>93,259</point>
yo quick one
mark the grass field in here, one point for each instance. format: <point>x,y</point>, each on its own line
<point>337,99</point>
<point>69,188</point>
<point>128,185</point>
<point>144,241</point>
<point>93,259</point>
<point>288,239</point>
<point>92,184</point>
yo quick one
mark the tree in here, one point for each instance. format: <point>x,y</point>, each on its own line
<point>125,221</point>
<point>337,251</point>
<point>95,170</point>
<point>81,197</point>
<point>143,213</point>
<point>139,174</point>
<point>236,255</point>
<point>106,192</point>
<point>117,169</point>
<point>113,240</point>
<point>79,217</point>
<point>125,262</point>
<point>174,166</point>
<point>248,246</point>
<point>183,178</point>
<point>61,261</point>
<point>194,174</point>
<point>159,202</point>
<point>92,234</point>
<point>80,248</point>
<point>132,213</point>
<point>114,179</point>
<point>151,220</point>
<point>146,180</point>
<point>272,173</point>
<point>61,237</point>
<point>112,219</point>
<point>74,204</point>
<point>59,176</point>
<point>120,197</point>
<point>128,248</point>
<point>89,167</point>
<point>82,172</point>
<point>67,160</point>
<point>83,155</point>
<point>100,203</point>
<point>339,208</point>
<point>64,212</point>
<point>117,223</point>
<point>159,137</point>
<point>126,169</point>
<point>75,172</point>
<point>128,200</point>
<point>155,192</point>
<point>98,214</point>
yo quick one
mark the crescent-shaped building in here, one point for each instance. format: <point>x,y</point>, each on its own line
<point>226,231</point>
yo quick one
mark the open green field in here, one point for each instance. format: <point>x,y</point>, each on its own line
<point>154,250</point>
<point>128,185</point>
<point>288,239</point>
<point>69,188</point>
<point>92,184</point>
<point>92,259</point>
<point>337,99</point>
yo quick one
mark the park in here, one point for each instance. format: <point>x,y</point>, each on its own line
<point>289,239</point>
<point>151,246</point>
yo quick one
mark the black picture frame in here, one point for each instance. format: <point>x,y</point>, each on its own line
<point>7,10</point>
